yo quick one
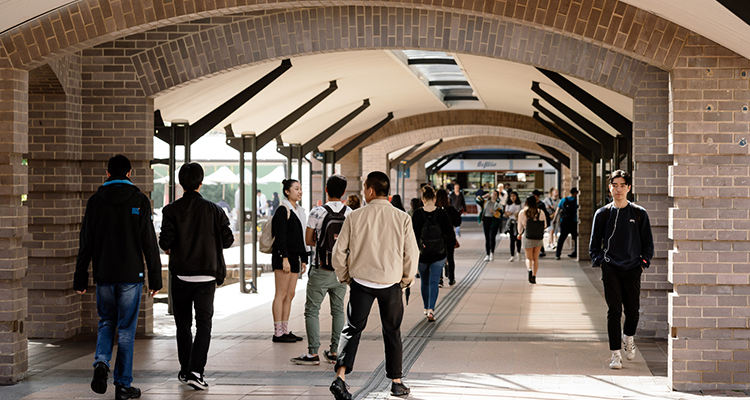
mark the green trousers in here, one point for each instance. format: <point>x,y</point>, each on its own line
<point>319,283</point>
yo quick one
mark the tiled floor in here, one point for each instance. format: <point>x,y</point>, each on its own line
<point>497,337</point>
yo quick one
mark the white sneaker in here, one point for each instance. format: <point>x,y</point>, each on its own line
<point>628,346</point>
<point>616,361</point>
<point>512,259</point>
<point>486,258</point>
<point>492,256</point>
<point>518,257</point>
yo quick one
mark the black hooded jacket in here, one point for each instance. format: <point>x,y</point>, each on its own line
<point>116,234</point>
<point>195,231</point>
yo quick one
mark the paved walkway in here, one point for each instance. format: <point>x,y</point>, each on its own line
<point>497,337</point>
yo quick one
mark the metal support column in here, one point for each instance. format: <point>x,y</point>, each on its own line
<point>254,217</point>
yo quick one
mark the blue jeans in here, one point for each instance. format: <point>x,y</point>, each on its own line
<point>118,306</point>
<point>430,276</point>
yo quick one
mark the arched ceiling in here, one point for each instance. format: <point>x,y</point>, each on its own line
<point>375,75</point>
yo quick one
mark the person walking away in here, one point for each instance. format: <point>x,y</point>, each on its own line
<point>397,202</point>
<point>414,204</point>
<point>491,222</point>
<point>531,225</point>
<point>622,245</point>
<point>117,234</point>
<point>323,227</point>
<point>541,207</point>
<point>434,233</point>
<point>353,202</point>
<point>374,269</point>
<point>512,208</point>
<point>194,232</point>
<point>275,203</point>
<point>551,204</point>
<point>289,257</point>
<point>442,201</point>
<point>568,210</point>
<point>458,202</point>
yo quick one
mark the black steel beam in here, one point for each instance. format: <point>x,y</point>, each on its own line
<point>158,120</point>
<point>393,163</point>
<point>616,120</point>
<point>449,83</point>
<point>459,98</point>
<point>433,165</point>
<point>275,130</point>
<point>587,153</point>
<point>589,143</point>
<point>323,136</point>
<point>421,155</point>
<point>565,160</point>
<point>446,161</point>
<point>589,127</point>
<point>433,61</point>
<point>553,163</point>
<point>352,144</point>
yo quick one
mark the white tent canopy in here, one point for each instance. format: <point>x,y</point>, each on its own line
<point>221,176</point>
<point>275,176</point>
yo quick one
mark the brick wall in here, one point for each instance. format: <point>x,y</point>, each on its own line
<point>13,223</point>
<point>708,222</point>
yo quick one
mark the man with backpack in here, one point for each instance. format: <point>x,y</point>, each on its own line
<point>568,209</point>
<point>323,227</point>
<point>622,245</point>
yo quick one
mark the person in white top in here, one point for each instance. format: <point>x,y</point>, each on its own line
<point>261,203</point>
<point>322,229</point>
<point>512,207</point>
<point>551,203</point>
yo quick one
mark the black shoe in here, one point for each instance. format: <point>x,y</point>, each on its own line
<point>295,337</point>
<point>417,275</point>
<point>452,282</point>
<point>533,280</point>
<point>124,393</point>
<point>557,257</point>
<point>339,390</point>
<point>99,383</point>
<point>542,255</point>
<point>440,283</point>
<point>196,382</point>
<point>284,339</point>
<point>306,359</point>
<point>182,377</point>
<point>530,276</point>
<point>399,389</point>
<point>330,357</point>
<point>572,255</point>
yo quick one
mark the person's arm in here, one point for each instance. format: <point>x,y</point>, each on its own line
<point>647,240</point>
<point>310,236</point>
<point>85,250</point>
<point>340,253</point>
<point>521,222</point>
<point>416,223</point>
<point>150,247</point>
<point>598,227</point>
<point>462,199</point>
<point>447,226</point>
<point>227,237</point>
<point>411,255</point>
<point>166,235</point>
<point>279,222</point>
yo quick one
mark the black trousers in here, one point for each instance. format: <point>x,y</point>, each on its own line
<point>515,244</point>
<point>391,309</point>
<point>566,230</point>
<point>186,296</point>
<point>450,267</point>
<point>622,290</point>
<point>490,233</point>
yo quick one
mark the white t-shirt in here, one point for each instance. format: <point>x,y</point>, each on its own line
<point>513,209</point>
<point>318,214</point>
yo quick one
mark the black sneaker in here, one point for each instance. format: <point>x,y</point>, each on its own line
<point>330,357</point>
<point>99,383</point>
<point>339,390</point>
<point>295,337</point>
<point>182,377</point>
<point>196,382</point>
<point>284,339</point>
<point>533,280</point>
<point>440,283</point>
<point>452,282</point>
<point>557,257</point>
<point>572,255</point>
<point>542,254</point>
<point>399,389</point>
<point>124,393</point>
<point>306,359</point>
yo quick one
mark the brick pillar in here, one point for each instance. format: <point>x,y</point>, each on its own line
<point>117,118</point>
<point>55,209</point>
<point>586,210</point>
<point>566,179</point>
<point>13,224</point>
<point>709,222</point>
<point>650,184</point>
<point>351,169</point>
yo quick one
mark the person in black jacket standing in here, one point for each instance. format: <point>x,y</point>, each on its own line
<point>442,201</point>
<point>194,232</point>
<point>623,245</point>
<point>289,257</point>
<point>117,234</point>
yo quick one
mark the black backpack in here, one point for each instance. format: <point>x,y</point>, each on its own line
<point>534,228</point>
<point>431,241</point>
<point>568,211</point>
<point>329,232</point>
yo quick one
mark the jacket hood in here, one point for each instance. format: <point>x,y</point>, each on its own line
<point>117,190</point>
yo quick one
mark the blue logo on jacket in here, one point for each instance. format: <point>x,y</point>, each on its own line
<point>136,211</point>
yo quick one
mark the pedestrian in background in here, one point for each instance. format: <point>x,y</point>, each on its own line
<point>491,213</point>
<point>442,201</point>
<point>531,224</point>
<point>353,202</point>
<point>512,208</point>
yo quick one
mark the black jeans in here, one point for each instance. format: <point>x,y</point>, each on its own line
<point>450,267</point>
<point>186,295</point>
<point>490,232</point>
<point>515,244</point>
<point>391,309</point>
<point>622,290</point>
<point>566,230</point>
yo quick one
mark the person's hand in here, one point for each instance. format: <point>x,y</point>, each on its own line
<point>81,291</point>
<point>519,237</point>
<point>303,268</point>
<point>287,268</point>
<point>166,252</point>
<point>154,293</point>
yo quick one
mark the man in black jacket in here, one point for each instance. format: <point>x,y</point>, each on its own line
<point>622,244</point>
<point>194,232</point>
<point>117,233</point>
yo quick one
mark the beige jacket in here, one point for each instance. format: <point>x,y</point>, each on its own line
<point>376,243</point>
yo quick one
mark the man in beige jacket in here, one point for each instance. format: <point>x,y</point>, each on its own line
<point>376,254</point>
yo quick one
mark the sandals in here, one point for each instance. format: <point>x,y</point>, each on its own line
<point>430,316</point>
